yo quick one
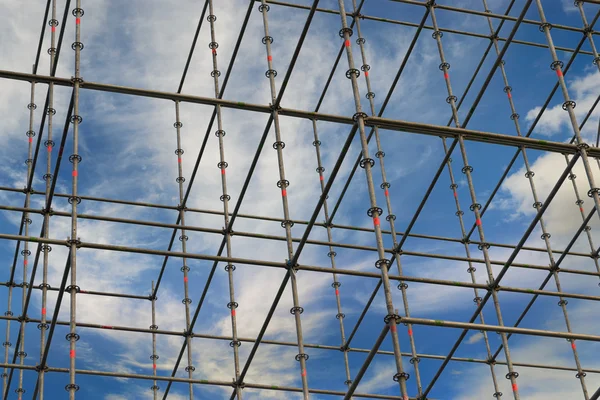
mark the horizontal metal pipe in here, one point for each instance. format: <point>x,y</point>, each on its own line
<point>291,344</point>
<point>385,123</point>
<point>199,381</point>
<point>497,328</point>
<point>445,30</point>
<point>89,292</point>
<point>274,264</point>
<point>256,217</point>
<point>497,16</point>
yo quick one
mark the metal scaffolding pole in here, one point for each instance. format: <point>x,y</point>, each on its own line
<point>373,212</point>
<point>529,174</point>
<point>232,304</point>
<point>154,357</point>
<point>332,254</point>
<point>49,143</point>
<point>183,238</point>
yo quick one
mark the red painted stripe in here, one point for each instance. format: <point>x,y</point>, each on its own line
<point>107,327</point>
<point>270,58</point>
<point>77,21</point>
<point>581,209</point>
<point>455,194</point>
<point>30,140</point>
<point>478,222</point>
<point>214,51</point>
<point>321,177</point>
<point>515,388</point>
<point>386,192</point>
<point>72,353</point>
<point>233,313</point>
<point>303,372</point>
<point>49,149</point>
<point>185,279</point>
<point>573,346</point>
<point>376,221</point>
<point>53,29</point>
<point>74,173</point>
<point>366,73</point>
<point>153,366</point>
<point>347,43</point>
<point>337,292</point>
<point>393,328</point>
<point>283,192</point>
<point>509,95</point>
<point>446,76</point>
<point>410,332</point>
<point>222,171</point>
<point>179,159</point>
<point>559,73</point>
<point>25,262</point>
<point>43,311</point>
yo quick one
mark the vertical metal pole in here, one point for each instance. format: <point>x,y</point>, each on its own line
<point>154,356</point>
<point>385,185</point>
<point>6,343</point>
<point>374,212</point>
<point>26,252</point>
<point>332,254</point>
<point>569,106</point>
<point>183,238</point>
<point>475,207</point>
<point>529,174</point>
<point>283,183</point>
<point>73,241</point>
<point>49,143</point>
<point>222,165</point>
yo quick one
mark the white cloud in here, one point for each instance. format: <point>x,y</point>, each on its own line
<point>475,338</point>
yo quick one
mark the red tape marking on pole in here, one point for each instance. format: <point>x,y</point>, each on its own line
<point>515,388</point>
<point>74,173</point>
<point>303,372</point>
<point>72,353</point>
<point>347,43</point>
<point>153,366</point>
<point>559,73</point>
<point>337,292</point>
<point>446,76</point>
<point>283,192</point>
<point>233,313</point>
<point>393,328</point>
<point>478,222</point>
<point>185,278</point>
<point>386,193</point>
<point>573,345</point>
<point>366,73</point>
<point>30,140</point>
<point>43,311</point>
<point>269,58</point>
<point>107,327</point>
<point>77,21</point>
<point>376,221</point>
<point>410,332</point>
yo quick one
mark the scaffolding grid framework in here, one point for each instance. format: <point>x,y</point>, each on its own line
<point>363,126</point>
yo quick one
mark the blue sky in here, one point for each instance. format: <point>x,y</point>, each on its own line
<point>127,147</point>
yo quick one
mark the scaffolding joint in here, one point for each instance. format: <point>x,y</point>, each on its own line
<point>490,361</point>
<point>70,242</point>
<point>40,368</point>
<point>394,317</point>
<point>188,333</point>
<point>235,384</point>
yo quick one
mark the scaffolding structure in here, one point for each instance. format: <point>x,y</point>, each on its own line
<point>32,251</point>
